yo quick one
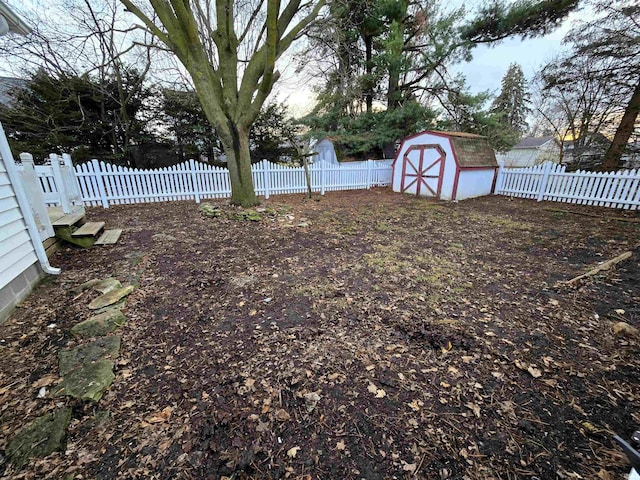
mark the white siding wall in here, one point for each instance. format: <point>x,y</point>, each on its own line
<point>16,250</point>
<point>528,157</point>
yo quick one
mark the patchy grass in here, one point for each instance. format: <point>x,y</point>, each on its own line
<point>365,335</point>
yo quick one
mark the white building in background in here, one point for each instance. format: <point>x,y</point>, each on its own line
<point>325,152</point>
<point>531,151</point>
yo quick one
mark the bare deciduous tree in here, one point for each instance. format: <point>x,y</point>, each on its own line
<point>230,49</point>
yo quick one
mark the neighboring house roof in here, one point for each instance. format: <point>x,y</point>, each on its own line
<point>10,22</point>
<point>9,86</point>
<point>533,142</point>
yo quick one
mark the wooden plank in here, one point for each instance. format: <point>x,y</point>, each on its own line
<point>109,237</point>
<point>68,220</point>
<point>49,241</point>
<point>89,229</point>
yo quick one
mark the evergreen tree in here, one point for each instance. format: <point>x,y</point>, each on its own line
<point>512,102</point>
<point>78,114</point>
<point>397,52</point>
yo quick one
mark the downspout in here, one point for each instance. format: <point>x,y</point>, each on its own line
<point>23,202</point>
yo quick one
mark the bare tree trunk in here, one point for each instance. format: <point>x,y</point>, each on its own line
<point>612,159</point>
<point>368,40</point>
<point>236,149</point>
<point>307,175</point>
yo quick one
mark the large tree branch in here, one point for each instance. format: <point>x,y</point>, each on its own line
<point>153,28</point>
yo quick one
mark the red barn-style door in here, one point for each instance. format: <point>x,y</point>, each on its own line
<point>422,170</point>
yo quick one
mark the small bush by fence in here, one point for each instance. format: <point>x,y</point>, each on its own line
<point>105,184</point>
<point>551,182</point>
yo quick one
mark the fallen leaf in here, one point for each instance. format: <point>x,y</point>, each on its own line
<point>160,417</point>
<point>372,388</point>
<point>282,415</point>
<point>340,445</point>
<point>292,452</point>
<point>410,467</point>
<point>474,408</point>
<point>262,427</point>
<point>44,381</point>
<point>535,372</point>
<point>381,393</point>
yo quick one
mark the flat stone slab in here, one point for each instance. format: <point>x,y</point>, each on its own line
<point>88,382</point>
<point>111,297</point>
<point>105,347</point>
<point>108,285</point>
<point>99,325</point>
<point>40,438</point>
<point>105,285</point>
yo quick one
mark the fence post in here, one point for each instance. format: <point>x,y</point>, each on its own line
<point>35,196</point>
<point>100,181</point>
<point>544,181</point>
<point>499,178</point>
<point>267,178</point>
<point>60,183</point>
<point>73,184</point>
<point>194,178</point>
<point>369,162</point>
<point>322,177</point>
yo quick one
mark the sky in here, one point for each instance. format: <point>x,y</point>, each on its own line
<point>483,73</point>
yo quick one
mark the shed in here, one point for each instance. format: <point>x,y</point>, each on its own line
<point>445,165</point>
<point>531,151</point>
<point>326,152</point>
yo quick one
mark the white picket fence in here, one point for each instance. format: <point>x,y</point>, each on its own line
<point>551,182</point>
<point>104,184</point>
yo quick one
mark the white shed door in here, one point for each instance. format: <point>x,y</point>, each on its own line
<point>422,170</point>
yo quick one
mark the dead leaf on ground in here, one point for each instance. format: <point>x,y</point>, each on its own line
<point>292,452</point>
<point>160,417</point>
<point>45,381</point>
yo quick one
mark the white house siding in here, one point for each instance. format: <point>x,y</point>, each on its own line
<point>18,261</point>
<point>528,157</point>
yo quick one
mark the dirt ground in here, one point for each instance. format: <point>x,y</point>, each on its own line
<point>361,335</point>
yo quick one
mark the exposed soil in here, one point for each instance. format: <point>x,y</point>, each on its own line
<point>387,337</point>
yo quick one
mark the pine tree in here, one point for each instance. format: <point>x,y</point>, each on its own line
<point>512,103</point>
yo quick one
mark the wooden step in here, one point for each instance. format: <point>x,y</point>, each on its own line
<point>109,237</point>
<point>89,229</point>
<point>68,220</point>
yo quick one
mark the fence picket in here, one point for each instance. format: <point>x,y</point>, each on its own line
<point>553,183</point>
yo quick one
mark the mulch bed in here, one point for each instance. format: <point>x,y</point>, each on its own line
<point>386,337</point>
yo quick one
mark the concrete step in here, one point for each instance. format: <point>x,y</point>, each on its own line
<point>89,229</point>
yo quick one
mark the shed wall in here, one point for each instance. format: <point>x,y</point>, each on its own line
<point>326,152</point>
<point>474,183</point>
